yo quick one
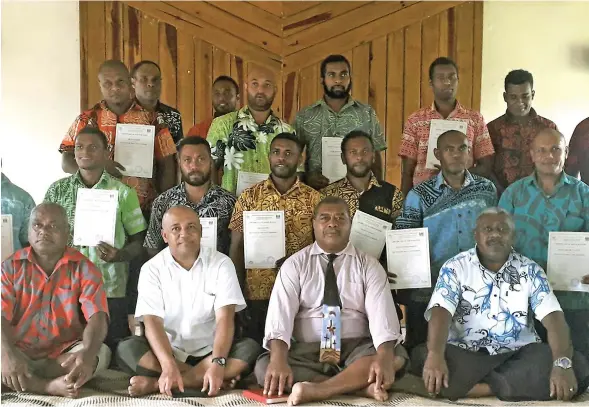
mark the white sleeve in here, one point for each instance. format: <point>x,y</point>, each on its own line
<point>448,291</point>
<point>228,291</point>
<point>542,298</point>
<point>150,299</point>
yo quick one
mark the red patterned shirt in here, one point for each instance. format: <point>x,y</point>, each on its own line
<point>415,140</point>
<point>44,310</point>
<point>578,159</point>
<point>201,129</point>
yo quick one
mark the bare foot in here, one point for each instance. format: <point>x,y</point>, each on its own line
<point>373,393</point>
<point>304,392</point>
<point>61,387</point>
<point>142,385</point>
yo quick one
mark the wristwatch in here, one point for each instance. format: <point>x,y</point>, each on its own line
<point>563,363</point>
<point>222,361</point>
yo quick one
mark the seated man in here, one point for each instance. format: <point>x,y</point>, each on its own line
<point>481,340</point>
<point>48,345</point>
<point>187,300</point>
<point>354,286</point>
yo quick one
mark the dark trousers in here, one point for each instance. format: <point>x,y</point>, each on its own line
<point>253,320</point>
<point>578,322</point>
<point>118,328</point>
<point>415,324</point>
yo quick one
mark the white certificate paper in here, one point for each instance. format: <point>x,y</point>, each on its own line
<point>408,258</point>
<point>369,233</point>
<point>247,179</point>
<point>264,238</point>
<point>134,147</point>
<point>95,217</point>
<point>331,159</point>
<point>568,260</point>
<point>208,236</point>
<point>436,129</point>
<point>7,247</point>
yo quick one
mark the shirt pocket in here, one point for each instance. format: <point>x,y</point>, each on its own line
<point>573,223</point>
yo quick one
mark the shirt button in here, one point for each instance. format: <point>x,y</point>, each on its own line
<point>495,295</point>
<point>460,231</point>
<point>460,215</point>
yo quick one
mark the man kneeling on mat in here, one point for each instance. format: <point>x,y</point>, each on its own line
<point>188,296</point>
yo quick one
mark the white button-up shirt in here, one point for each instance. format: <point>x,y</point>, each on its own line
<point>490,310</point>
<point>187,299</point>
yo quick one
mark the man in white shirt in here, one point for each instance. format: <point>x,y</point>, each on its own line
<point>370,357</point>
<point>188,296</point>
<point>481,339</point>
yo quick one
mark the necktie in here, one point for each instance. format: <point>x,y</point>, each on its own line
<point>331,293</point>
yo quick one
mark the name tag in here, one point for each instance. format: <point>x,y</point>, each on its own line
<point>331,342</point>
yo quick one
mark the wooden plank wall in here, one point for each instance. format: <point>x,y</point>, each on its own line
<point>389,44</point>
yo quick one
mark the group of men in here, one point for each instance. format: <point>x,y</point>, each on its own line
<point>208,320</point>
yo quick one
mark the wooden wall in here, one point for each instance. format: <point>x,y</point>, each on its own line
<point>389,44</point>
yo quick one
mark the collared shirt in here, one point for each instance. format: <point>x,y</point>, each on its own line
<point>512,139</point>
<point>416,137</point>
<point>319,120</point>
<point>200,129</point>
<point>490,310</point>
<point>102,117</point>
<point>578,159</point>
<point>240,144</point>
<point>19,203</point>
<point>129,222</point>
<point>295,309</point>
<point>173,120</point>
<point>187,299</point>
<point>216,203</point>
<point>537,214</point>
<point>298,204</point>
<point>449,215</point>
<point>44,310</point>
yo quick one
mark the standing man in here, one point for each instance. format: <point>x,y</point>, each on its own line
<point>196,192</point>
<point>577,163</point>
<point>513,132</point>
<point>225,97</point>
<point>91,154</point>
<point>335,115</point>
<point>282,191</point>
<point>443,79</point>
<point>240,141</point>
<point>547,201</point>
<point>146,79</point>
<point>17,203</point>
<point>448,206</point>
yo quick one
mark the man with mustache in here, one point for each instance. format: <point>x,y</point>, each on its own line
<point>448,205</point>
<point>240,141</point>
<point>335,115</point>
<point>194,191</point>
<point>549,200</point>
<point>282,191</point>
<point>443,79</point>
<point>513,132</point>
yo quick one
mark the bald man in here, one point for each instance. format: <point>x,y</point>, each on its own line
<point>547,201</point>
<point>240,141</point>
<point>188,296</point>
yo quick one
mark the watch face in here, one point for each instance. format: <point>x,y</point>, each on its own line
<point>220,361</point>
<point>565,363</point>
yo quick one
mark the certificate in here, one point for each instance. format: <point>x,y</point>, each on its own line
<point>134,146</point>
<point>331,159</point>
<point>7,247</point>
<point>96,216</point>
<point>408,258</point>
<point>369,233</point>
<point>436,129</point>
<point>247,179</point>
<point>568,260</point>
<point>264,238</point>
<point>208,236</point>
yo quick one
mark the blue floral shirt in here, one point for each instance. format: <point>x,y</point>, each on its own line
<point>18,203</point>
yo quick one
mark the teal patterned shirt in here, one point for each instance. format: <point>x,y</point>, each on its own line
<point>18,203</point>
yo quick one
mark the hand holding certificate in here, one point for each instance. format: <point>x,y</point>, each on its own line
<point>264,238</point>
<point>134,148</point>
<point>208,237</point>
<point>331,159</point>
<point>436,129</point>
<point>95,217</point>
<point>568,260</point>
<point>7,247</point>
<point>408,258</point>
<point>369,233</point>
<point>247,179</point>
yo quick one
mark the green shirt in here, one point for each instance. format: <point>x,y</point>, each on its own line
<point>18,203</point>
<point>129,222</point>
<point>318,120</point>
<point>240,144</point>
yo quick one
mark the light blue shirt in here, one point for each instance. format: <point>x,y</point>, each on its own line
<point>18,203</point>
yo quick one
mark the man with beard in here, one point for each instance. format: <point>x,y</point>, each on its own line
<point>195,191</point>
<point>443,79</point>
<point>335,115</point>
<point>282,191</point>
<point>240,141</point>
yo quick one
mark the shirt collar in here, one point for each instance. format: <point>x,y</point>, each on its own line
<point>69,255</point>
<point>246,111</point>
<point>269,185</point>
<point>474,258</point>
<point>457,109</point>
<point>134,106</point>
<point>348,250</point>
<point>509,118</point>
<point>321,102</point>
<point>441,181</point>
<point>5,179</point>
<point>170,259</point>
<point>372,183</point>
<point>564,179</point>
<point>103,179</point>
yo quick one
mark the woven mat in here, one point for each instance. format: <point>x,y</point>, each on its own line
<point>109,389</point>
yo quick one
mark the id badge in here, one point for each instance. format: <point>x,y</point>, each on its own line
<point>331,342</point>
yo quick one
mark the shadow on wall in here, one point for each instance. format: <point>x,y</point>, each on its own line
<point>579,56</point>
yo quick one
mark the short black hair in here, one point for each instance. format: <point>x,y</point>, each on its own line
<point>289,136</point>
<point>356,134</point>
<point>441,61</point>
<point>446,133</point>
<point>95,131</point>
<point>193,141</point>
<point>331,200</point>
<point>140,64</point>
<point>113,64</point>
<point>331,59</point>
<point>227,79</point>
<point>519,77</point>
